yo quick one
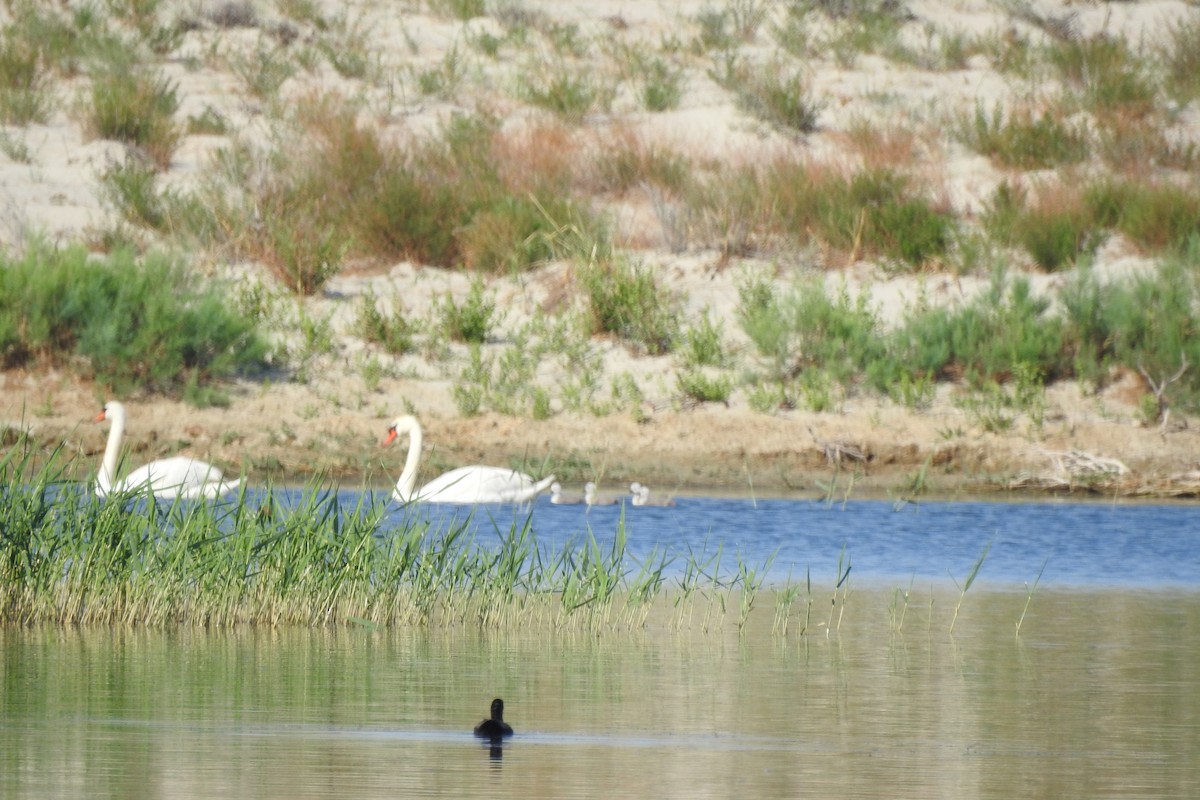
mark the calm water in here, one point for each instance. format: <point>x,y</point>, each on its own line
<point>1098,697</point>
<point>1080,544</point>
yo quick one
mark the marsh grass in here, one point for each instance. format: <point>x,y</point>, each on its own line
<point>311,558</point>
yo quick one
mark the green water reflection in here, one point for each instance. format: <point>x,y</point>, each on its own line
<point>1099,697</point>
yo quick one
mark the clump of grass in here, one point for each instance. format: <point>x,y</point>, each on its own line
<point>569,94</point>
<point>137,107</point>
<point>626,163</point>
<point>875,212</point>
<point>1023,140</point>
<point>774,94</point>
<point>24,80</point>
<point>1155,216</point>
<point>1111,78</point>
<point>127,324</point>
<point>1181,59</point>
<point>700,386</point>
<point>1056,230</point>
<point>264,70</point>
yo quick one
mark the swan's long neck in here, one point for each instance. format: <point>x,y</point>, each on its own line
<point>406,486</point>
<point>108,467</point>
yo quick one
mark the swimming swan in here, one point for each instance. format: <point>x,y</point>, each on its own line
<point>463,485</point>
<point>180,477</point>
<point>560,498</point>
<point>591,497</point>
<point>641,496</point>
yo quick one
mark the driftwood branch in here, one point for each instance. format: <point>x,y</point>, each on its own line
<point>836,450</point>
<point>1072,468</point>
<point>1159,388</point>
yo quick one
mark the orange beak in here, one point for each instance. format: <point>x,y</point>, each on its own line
<point>391,437</point>
<point>99,417</point>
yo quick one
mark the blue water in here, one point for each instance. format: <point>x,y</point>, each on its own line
<point>1084,545</point>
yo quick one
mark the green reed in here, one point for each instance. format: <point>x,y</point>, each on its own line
<point>70,558</point>
<point>967,583</point>
<point>1029,592</point>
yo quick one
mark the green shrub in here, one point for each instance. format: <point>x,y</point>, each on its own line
<point>128,324</point>
<point>473,320</point>
<point>392,332</point>
<point>1150,322</point>
<point>702,387</point>
<point>1005,329</point>
<point>806,329</point>
<point>625,300</point>
<point>702,343</point>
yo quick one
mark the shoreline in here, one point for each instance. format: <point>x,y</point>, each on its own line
<point>287,433</point>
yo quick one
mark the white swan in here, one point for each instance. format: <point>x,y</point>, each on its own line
<point>180,477</point>
<point>641,496</point>
<point>593,499</point>
<point>463,485</point>
<point>561,498</point>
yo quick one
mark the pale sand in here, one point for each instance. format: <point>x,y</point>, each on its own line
<point>333,424</point>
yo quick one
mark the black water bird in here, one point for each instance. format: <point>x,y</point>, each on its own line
<point>495,727</point>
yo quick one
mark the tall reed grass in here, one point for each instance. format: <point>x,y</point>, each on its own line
<point>69,558</point>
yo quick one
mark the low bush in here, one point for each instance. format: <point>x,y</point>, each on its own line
<point>129,324</point>
<point>1005,329</point>
<point>625,300</point>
